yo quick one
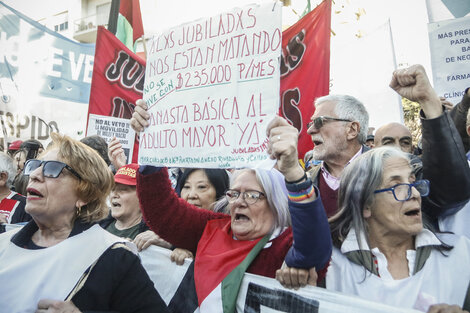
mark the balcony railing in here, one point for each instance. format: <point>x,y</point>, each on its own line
<point>85,28</point>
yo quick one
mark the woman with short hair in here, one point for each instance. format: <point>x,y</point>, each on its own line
<point>62,259</point>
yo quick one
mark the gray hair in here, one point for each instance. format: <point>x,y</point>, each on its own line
<point>7,165</point>
<point>275,190</point>
<point>359,180</point>
<point>348,107</point>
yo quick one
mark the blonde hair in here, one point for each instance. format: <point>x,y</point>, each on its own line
<point>96,178</point>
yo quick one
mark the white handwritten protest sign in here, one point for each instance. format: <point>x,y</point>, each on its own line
<point>450,57</point>
<point>108,127</point>
<point>212,86</point>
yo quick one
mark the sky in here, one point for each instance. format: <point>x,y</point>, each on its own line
<point>408,20</point>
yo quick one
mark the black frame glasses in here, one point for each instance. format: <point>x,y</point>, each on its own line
<point>51,169</point>
<point>402,192</point>
<point>249,196</point>
<point>319,122</point>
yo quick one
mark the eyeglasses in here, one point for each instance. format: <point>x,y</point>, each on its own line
<point>249,196</point>
<point>318,122</point>
<point>51,169</point>
<point>402,192</point>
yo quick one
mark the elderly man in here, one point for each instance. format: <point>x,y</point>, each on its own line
<point>338,130</point>
<point>394,134</point>
<point>11,203</point>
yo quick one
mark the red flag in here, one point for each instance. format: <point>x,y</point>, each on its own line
<point>305,69</point>
<point>118,79</point>
<point>126,23</point>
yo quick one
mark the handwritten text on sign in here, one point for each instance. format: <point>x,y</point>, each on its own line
<point>212,86</point>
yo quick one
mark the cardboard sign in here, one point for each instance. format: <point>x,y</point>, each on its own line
<point>212,87</point>
<point>109,127</point>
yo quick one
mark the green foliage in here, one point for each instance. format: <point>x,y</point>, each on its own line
<point>411,116</point>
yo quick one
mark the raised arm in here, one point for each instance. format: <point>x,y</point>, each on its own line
<point>169,216</point>
<point>312,241</point>
<point>444,161</point>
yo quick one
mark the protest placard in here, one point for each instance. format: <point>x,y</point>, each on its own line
<point>450,57</point>
<point>109,127</point>
<point>212,86</point>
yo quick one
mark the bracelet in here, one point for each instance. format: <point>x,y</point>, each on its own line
<point>300,186</point>
<point>298,180</point>
<point>301,195</point>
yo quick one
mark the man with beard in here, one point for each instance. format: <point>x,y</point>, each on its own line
<point>338,130</point>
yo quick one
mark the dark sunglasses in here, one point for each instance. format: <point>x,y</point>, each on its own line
<point>318,122</point>
<point>51,169</point>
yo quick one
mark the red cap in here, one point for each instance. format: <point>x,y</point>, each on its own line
<point>15,145</point>
<point>126,175</point>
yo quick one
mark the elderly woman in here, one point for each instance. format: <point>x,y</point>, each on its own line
<point>67,261</point>
<point>125,219</point>
<point>382,251</point>
<point>256,235</point>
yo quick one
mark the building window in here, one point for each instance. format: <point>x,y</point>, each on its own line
<point>63,26</point>
<point>61,22</point>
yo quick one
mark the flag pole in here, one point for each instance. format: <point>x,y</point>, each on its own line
<point>113,16</point>
<point>145,46</point>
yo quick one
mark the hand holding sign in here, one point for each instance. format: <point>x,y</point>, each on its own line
<point>140,116</point>
<point>291,277</point>
<point>116,153</point>
<point>283,147</point>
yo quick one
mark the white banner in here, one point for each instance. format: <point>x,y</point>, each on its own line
<point>109,127</point>
<point>449,42</point>
<point>257,293</point>
<point>44,79</point>
<point>212,86</point>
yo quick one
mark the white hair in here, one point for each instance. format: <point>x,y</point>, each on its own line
<point>7,165</point>
<point>348,107</point>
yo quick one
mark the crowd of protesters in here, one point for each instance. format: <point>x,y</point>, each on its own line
<point>365,216</point>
